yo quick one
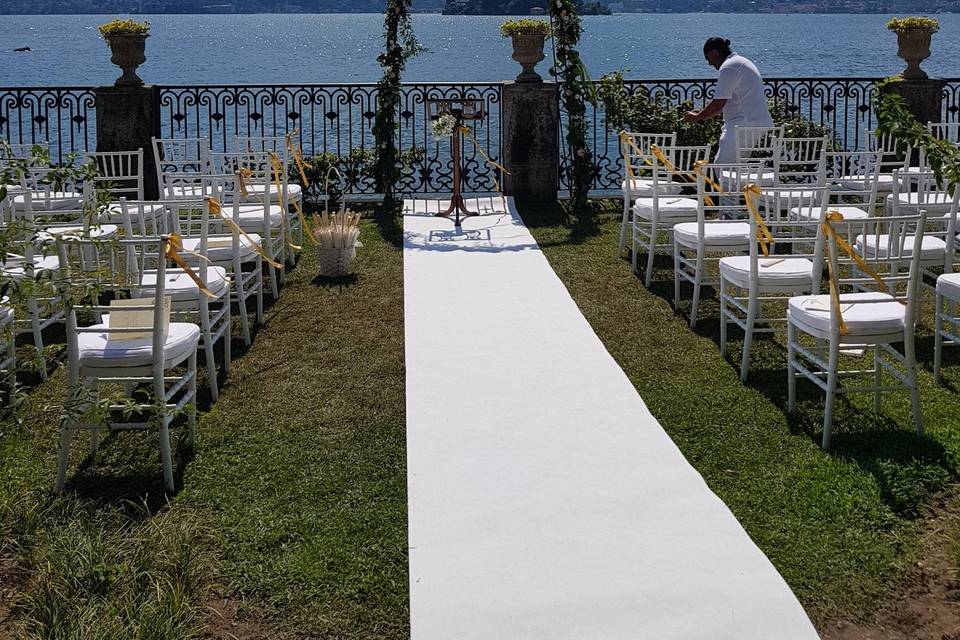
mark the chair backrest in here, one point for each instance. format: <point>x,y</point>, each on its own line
<point>81,280</point>
<point>921,187</point>
<point>267,144</point>
<point>119,172</point>
<point>890,247</point>
<point>720,189</point>
<point>893,155</point>
<point>756,142</point>
<point>800,160</point>
<point>949,131</point>
<point>181,155</point>
<point>679,168</point>
<point>635,149</point>
<point>791,231</point>
<point>857,173</point>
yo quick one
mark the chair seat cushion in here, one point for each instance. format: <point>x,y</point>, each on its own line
<point>948,285</point>
<point>255,192</point>
<point>148,210</point>
<point>52,201</point>
<point>180,286</point>
<point>220,248</point>
<point>13,267</point>
<point>98,232</point>
<point>776,271</point>
<point>764,179</point>
<point>861,317</point>
<point>670,209</point>
<point>644,187</point>
<point>100,349</point>
<point>715,234</point>
<point>804,214</point>
<point>251,217</point>
<point>932,248</point>
<point>939,201</point>
<point>862,183</point>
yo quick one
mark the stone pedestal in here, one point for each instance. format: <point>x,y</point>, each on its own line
<point>531,123</point>
<point>924,98</point>
<point>127,117</point>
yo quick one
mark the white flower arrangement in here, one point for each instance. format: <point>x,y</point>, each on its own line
<point>443,126</point>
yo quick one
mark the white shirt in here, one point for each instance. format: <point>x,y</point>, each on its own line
<point>740,84</point>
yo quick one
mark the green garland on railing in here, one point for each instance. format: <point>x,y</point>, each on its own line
<point>400,44</point>
<point>894,119</point>
<point>576,90</point>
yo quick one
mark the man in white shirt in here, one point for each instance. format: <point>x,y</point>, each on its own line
<point>739,95</point>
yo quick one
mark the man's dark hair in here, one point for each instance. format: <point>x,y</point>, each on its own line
<point>717,44</point>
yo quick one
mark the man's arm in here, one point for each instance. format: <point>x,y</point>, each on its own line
<point>716,106</point>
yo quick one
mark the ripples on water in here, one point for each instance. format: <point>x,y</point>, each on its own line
<point>272,48</point>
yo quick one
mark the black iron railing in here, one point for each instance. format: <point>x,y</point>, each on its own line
<point>845,105</point>
<point>337,119</point>
<point>64,118</point>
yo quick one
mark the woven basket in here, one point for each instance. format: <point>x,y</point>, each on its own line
<point>335,263</point>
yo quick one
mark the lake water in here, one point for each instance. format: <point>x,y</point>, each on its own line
<point>278,48</point>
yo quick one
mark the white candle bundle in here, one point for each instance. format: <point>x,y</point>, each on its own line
<point>337,231</point>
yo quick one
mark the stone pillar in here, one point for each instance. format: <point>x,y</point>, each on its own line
<point>127,117</point>
<point>924,98</point>
<point>530,114</point>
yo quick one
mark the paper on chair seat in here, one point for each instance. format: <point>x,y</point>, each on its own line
<point>821,304</point>
<point>219,243</point>
<point>121,318</point>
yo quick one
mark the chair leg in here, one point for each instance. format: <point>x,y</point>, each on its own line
<point>832,376</point>
<point>242,308</point>
<point>877,399</point>
<point>34,311</point>
<point>752,305</point>
<point>624,221</point>
<point>192,390</point>
<point>227,335</point>
<point>651,254</point>
<point>166,458</point>
<point>910,356</point>
<point>676,276</point>
<point>791,370</point>
<point>259,280</point>
<point>211,363</point>
<point>274,286</point>
<point>937,338</point>
<point>723,317</point>
<point>634,254</point>
<point>697,279</point>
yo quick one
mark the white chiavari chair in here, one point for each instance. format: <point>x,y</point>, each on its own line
<point>636,157</point>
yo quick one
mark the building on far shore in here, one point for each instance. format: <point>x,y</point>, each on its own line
<point>536,11</point>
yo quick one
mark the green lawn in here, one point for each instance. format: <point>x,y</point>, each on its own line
<point>293,504</point>
<point>840,526</point>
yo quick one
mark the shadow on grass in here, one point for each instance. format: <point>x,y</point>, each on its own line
<point>582,226</point>
<point>338,282</point>
<point>908,468</point>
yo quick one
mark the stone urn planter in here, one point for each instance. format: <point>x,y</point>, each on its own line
<point>528,51</point>
<point>528,38</point>
<point>128,53</point>
<point>127,40</point>
<point>913,40</point>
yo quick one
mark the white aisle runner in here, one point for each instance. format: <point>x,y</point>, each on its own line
<point>545,501</point>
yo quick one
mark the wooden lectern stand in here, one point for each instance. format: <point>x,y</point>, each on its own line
<point>463,111</point>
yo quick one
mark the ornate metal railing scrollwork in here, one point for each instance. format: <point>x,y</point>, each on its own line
<point>62,117</point>
<point>338,119</point>
<point>843,104</point>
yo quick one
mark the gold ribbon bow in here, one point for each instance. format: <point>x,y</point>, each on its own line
<point>751,194</point>
<point>278,168</point>
<point>244,174</point>
<point>830,233</point>
<point>217,210</point>
<point>698,169</point>
<point>174,249</point>
<point>297,154</point>
<point>627,141</point>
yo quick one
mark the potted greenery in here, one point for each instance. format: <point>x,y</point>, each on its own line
<point>528,38</point>
<point>127,40</point>
<point>913,37</point>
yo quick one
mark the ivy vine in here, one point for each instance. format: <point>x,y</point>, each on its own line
<point>400,44</point>
<point>896,120</point>
<point>576,90</point>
